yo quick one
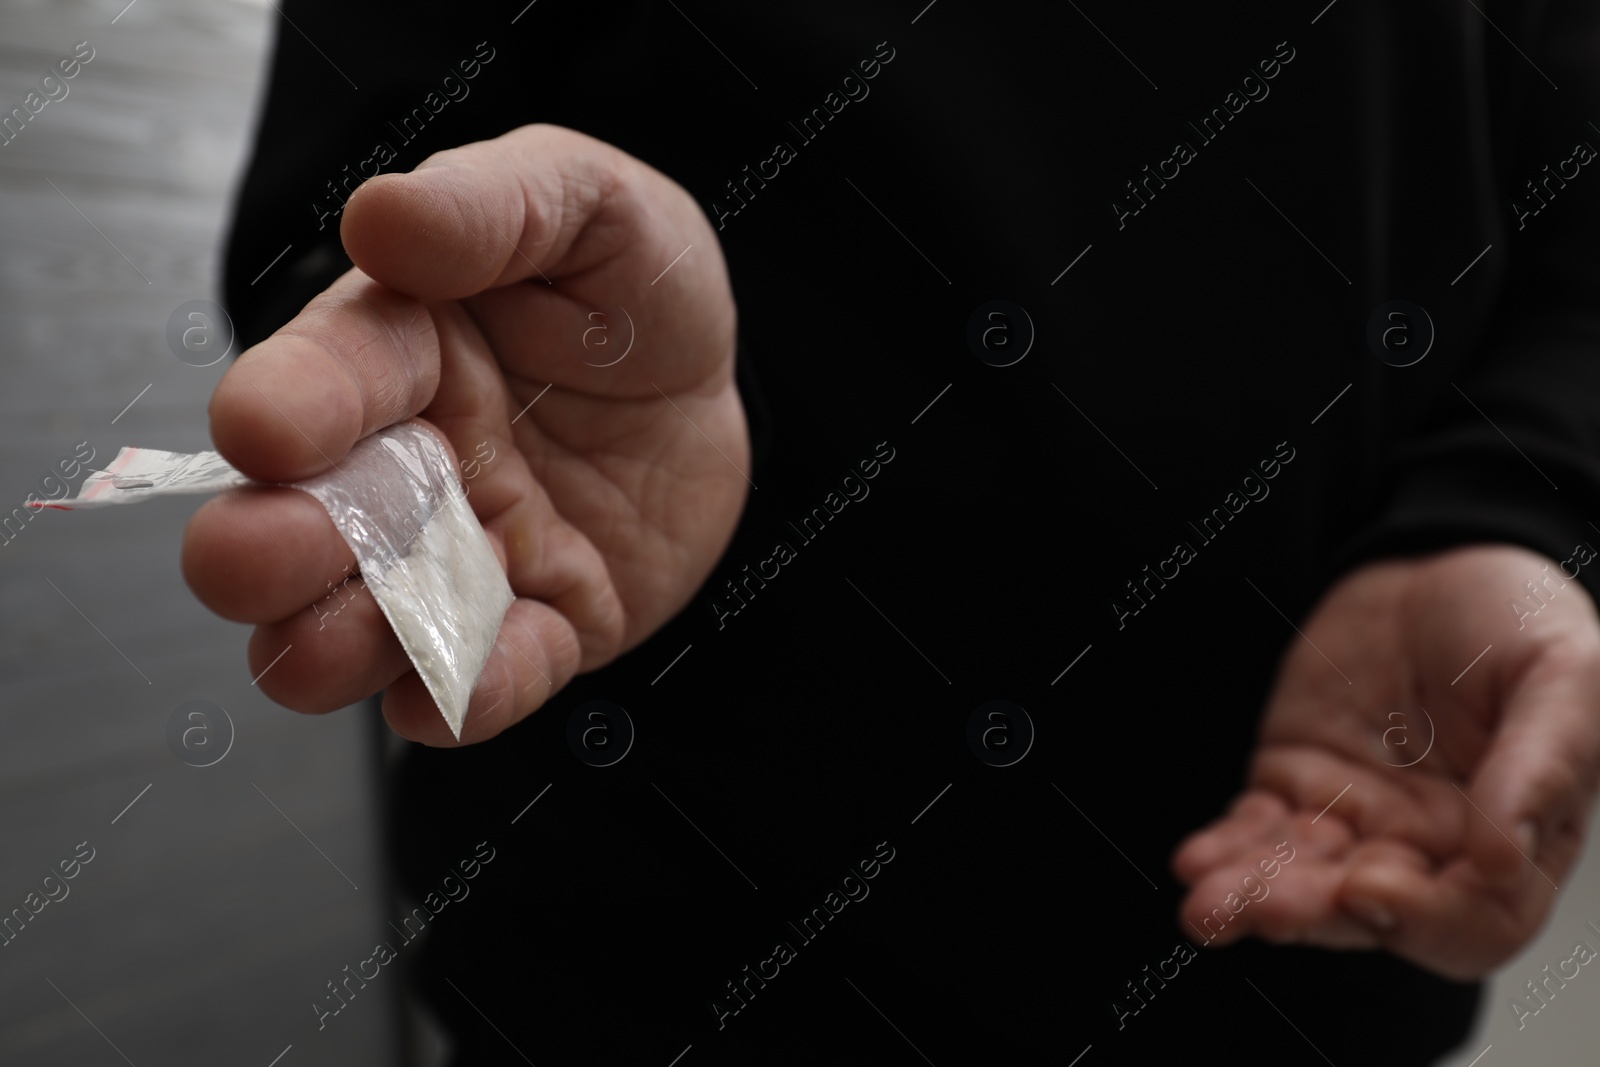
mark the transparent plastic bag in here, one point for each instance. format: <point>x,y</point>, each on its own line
<point>398,504</point>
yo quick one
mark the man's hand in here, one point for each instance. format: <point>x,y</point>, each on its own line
<point>1450,859</point>
<point>496,290</point>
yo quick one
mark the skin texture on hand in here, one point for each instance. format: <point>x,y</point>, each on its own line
<point>1450,859</point>
<point>608,500</point>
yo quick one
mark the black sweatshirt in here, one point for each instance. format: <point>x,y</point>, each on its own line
<point>1126,308</point>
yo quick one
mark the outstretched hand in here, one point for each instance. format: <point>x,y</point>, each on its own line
<point>543,300</point>
<point>1434,801</point>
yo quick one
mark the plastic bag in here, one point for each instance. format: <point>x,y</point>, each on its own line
<point>398,504</point>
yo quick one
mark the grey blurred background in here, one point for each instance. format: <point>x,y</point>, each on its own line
<point>221,901</point>
<point>207,922</point>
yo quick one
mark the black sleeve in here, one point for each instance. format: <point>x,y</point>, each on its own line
<point>1512,453</point>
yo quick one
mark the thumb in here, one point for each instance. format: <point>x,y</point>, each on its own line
<point>489,213</point>
<point>1533,786</point>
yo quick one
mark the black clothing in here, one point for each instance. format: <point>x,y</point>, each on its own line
<point>1202,265</point>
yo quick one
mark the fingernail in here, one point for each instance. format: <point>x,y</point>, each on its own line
<point>1372,913</point>
<point>1528,837</point>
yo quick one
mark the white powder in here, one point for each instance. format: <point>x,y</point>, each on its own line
<point>399,506</point>
<point>445,599</point>
<point>440,585</point>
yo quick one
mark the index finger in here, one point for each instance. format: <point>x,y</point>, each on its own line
<point>359,357</point>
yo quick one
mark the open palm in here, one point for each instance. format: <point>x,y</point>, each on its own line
<point>560,313</point>
<point>1432,809</point>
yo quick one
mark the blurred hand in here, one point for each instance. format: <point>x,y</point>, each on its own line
<point>1451,862</point>
<point>477,276</point>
